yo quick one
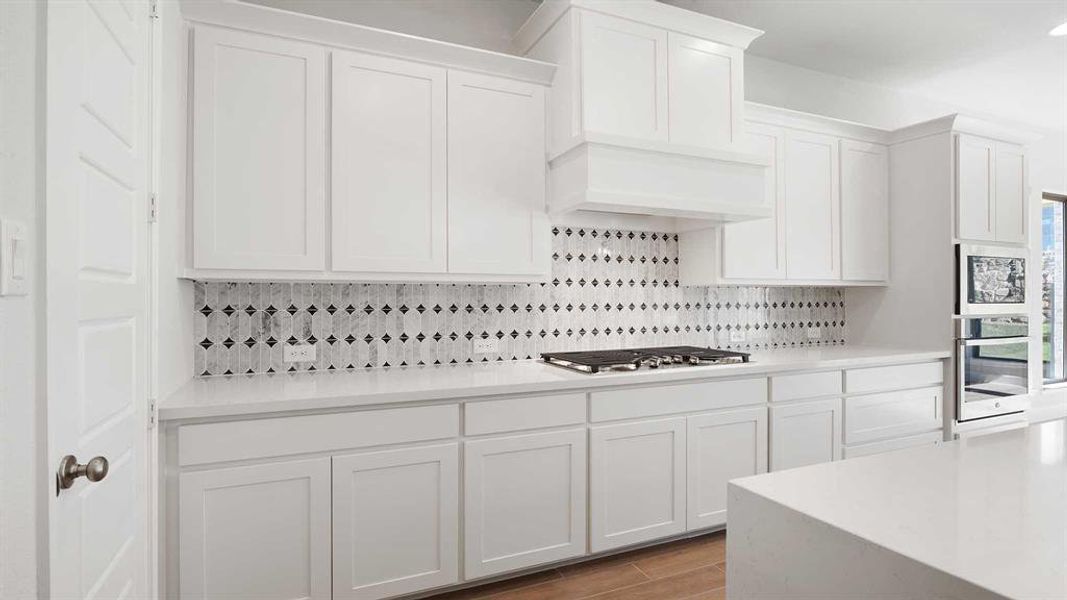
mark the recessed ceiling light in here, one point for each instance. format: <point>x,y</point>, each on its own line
<point>1061,30</point>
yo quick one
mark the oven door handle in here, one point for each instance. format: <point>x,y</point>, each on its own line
<point>1000,341</point>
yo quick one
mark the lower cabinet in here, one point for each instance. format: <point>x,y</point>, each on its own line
<point>637,482</point>
<point>721,447</point>
<point>260,531</point>
<point>805,433</point>
<point>524,501</point>
<point>395,521</point>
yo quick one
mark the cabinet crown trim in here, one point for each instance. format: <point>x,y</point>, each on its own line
<point>649,12</point>
<point>261,19</point>
<point>960,123</point>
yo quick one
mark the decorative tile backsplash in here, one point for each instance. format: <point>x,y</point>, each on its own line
<point>609,289</point>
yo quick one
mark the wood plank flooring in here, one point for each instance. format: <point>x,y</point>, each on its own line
<point>687,569</point>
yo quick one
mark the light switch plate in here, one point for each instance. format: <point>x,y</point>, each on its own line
<point>486,346</point>
<point>14,258</point>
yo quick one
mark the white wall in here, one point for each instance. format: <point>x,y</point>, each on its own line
<point>22,442</point>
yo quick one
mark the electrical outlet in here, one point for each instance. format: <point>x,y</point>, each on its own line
<point>298,353</point>
<point>814,333</point>
<point>737,335</point>
<point>486,346</point>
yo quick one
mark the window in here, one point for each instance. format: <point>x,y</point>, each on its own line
<point>1053,276</point>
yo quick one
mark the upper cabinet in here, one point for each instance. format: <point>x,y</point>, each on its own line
<point>258,160</point>
<point>433,156</point>
<point>991,190</point>
<point>646,111</point>
<point>829,189</point>
<point>389,202</point>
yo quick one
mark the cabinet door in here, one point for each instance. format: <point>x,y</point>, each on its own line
<point>805,434</point>
<point>258,152</point>
<point>637,482</point>
<point>721,447</point>
<point>624,77</point>
<point>395,521</point>
<point>1010,185</point>
<point>525,501</point>
<point>812,206</point>
<point>259,531</point>
<point>705,92</point>
<point>976,219</point>
<point>864,211</point>
<point>497,222</point>
<point>756,249</point>
<point>389,166</point>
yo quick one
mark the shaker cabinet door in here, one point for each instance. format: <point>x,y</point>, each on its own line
<point>497,220</point>
<point>756,249</point>
<point>260,531</point>
<point>721,447</point>
<point>705,92</point>
<point>389,203</point>
<point>637,482</point>
<point>395,521</point>
<point>812,206</point>
<point>804,434</point>
<point>864,211</point>
<point>975,199</point>
<point>1010,188</point>
<point>258,152</point>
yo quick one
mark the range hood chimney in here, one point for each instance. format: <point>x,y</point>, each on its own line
<point>645,112</point>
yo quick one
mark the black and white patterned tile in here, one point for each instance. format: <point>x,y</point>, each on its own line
<point>609,289</point>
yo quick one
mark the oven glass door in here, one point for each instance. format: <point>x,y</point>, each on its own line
<point>994,376</point>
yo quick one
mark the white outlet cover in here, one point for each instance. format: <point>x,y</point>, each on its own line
<point>298,353</point>
<point>486,346</point>
<point>14,267</point>
<point>737,335</point>
<point>814,333</point>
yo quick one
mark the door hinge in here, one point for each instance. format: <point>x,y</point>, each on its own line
<point>151,414</point>
<point>153,9</point>
<point>153,208</point>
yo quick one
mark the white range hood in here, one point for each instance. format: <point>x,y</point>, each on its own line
<point>645,113</point>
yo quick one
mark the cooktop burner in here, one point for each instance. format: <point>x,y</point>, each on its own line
<point>597,361</point>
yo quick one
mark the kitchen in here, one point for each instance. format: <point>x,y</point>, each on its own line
<point>521,299</point>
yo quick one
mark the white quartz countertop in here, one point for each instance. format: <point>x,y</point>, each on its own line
<point>260,394</point>
<point>989,510</point>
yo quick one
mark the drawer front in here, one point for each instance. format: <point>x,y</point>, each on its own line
<point>894,377</point>
<point>516,414</point>
<point>672,399</point>
<point>932,438</point>
<point>805,385</point>
<point>264,438</point>
<point>892,414</point>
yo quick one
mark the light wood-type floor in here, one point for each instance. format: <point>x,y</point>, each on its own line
<point>692,569</point>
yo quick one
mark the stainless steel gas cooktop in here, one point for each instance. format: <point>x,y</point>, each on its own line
<point>598,361</point>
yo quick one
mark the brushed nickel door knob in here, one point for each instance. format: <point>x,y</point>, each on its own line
<point>69,470</point>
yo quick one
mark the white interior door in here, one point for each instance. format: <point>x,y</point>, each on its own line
<point>97,293</point>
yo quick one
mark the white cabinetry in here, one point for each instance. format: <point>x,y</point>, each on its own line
<point>395,521</point>
<point>389,201</point>
<point>525,501</point>
<point>624,77</point>
<point>721,446</point>
<point>705,91</point>
<point>260,531</point>
<point>258,146</point>
<point>805,433</point>
<point>497,222</point>
<point>829,188</point>
<point>991,190</point>
<point>864,211</point>
<point>637,482</point>
<point>812,206</point>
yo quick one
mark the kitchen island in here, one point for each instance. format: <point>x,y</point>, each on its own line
<point>977,518</point>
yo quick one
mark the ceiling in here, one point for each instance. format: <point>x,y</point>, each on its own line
<point>945,49</point>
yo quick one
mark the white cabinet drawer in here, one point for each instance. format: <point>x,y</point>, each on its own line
<point>805,385</point>
<point>893,377</point>
<point>632,403</point>
<point>516,414</point>
<point>264,438</point>
<point>932,438</point>
<point>892,414</point>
